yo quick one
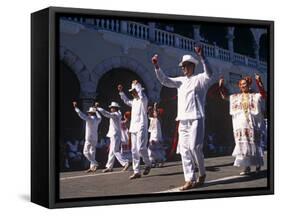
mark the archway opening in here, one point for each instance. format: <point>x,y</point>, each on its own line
<point>218,125</point>
<point>244,41</point>
<point>263,52</point>
<point>107,91</point>
<point>71,126</point>
<point>214,34</point>
<point>168,101</point>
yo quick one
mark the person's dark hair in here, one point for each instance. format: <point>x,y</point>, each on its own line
<point>248,80</point>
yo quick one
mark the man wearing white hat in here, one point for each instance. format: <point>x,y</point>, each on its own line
<point>114,133</point>
<point>138,127</point>
<point>191,90</point>
<point>92,120</point>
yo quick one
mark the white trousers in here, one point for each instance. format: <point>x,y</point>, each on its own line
<point>191,139</point>
<point>114,151</point>
<point>156,152</point>
<point>89,152</point>
<point>139,149</point>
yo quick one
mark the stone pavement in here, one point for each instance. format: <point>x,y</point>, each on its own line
<point>220,175</point>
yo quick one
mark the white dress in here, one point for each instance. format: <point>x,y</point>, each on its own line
<point>247,121</point>
<point>156,151</point>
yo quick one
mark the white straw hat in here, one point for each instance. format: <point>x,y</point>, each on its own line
<point>188,58</point>
<point>92,110</point>
<point>114,104</point>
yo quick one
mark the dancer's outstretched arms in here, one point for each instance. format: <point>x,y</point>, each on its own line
<point>123,96</point>
<point>260,86</point>
<point>206,66</point>
<point>163,79</point>
<point>79,112</point>
<point>222,90</point>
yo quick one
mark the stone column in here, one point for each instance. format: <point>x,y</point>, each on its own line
<point>124,27</point>
<point>230,37</point>
<point>257,33</point>
<point>257,53</point>
<point>151,31</point>
<point>196,33</point>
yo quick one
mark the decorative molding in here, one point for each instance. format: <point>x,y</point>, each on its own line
<point>125,41</point>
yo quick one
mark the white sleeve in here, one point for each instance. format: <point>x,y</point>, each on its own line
<point>81,114</point>
<point>125,99</point>
<point>106,113</point>
<point>167,81</point>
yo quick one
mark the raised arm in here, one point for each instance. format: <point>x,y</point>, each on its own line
<point>163,79</point>
<point>106,113</point>
<point>80,114</point>
<point>222,90</point>
<point>206,66</point>
<point>260,86</point>
<point>123,96</point>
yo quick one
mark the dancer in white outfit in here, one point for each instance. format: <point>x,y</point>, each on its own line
<point>92,120</point>
<point>125,137</point>
<point>191,101</point>
<point>114,133</point>
<point>156,151</point>
<point>138,127</point>
<point>247,119</point>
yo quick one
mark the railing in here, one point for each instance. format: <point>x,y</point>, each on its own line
<point>166,38</point>
<point>186,43</point>
<point>224,54</point>
<point>108,24</point>
<point>138,30</point>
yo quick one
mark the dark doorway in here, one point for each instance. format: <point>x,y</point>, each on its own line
<point>244,41</point>
<point>168,101</point>
<point>218,124</point>
<point>71,126</point>
<point>263,47</point>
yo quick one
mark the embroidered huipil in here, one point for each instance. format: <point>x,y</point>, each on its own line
<point>247,119</point>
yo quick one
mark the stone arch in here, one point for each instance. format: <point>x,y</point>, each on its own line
<point>73,61</point>
<point>129,63</point>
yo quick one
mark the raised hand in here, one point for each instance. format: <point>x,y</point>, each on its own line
<point>221,82</point>
<point>120,88</point>
<point>96,104</point>
<point>154,61</point>
<point>74,103</point>
<point>258,78</point>
<point>199,50</point>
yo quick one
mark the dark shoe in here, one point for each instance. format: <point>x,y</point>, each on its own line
<point>146,170</point>
<point>107,170</point>
<point>187,186</point>
<point>246,171</point>
<point>200,181</point>
<point>126,167</point>
<point>135,176</point>
<point>258,169</point>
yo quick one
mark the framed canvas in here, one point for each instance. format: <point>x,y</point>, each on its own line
<point>137,107</point>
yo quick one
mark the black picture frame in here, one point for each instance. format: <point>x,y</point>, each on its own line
<point>45,99</point>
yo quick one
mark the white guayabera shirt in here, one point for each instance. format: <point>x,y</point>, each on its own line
<point>92,123</point>
<point>139,120</point>
<point>191,93</point>
<point>114,122</point>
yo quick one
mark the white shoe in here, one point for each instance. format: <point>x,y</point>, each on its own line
<point>246,171</point>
